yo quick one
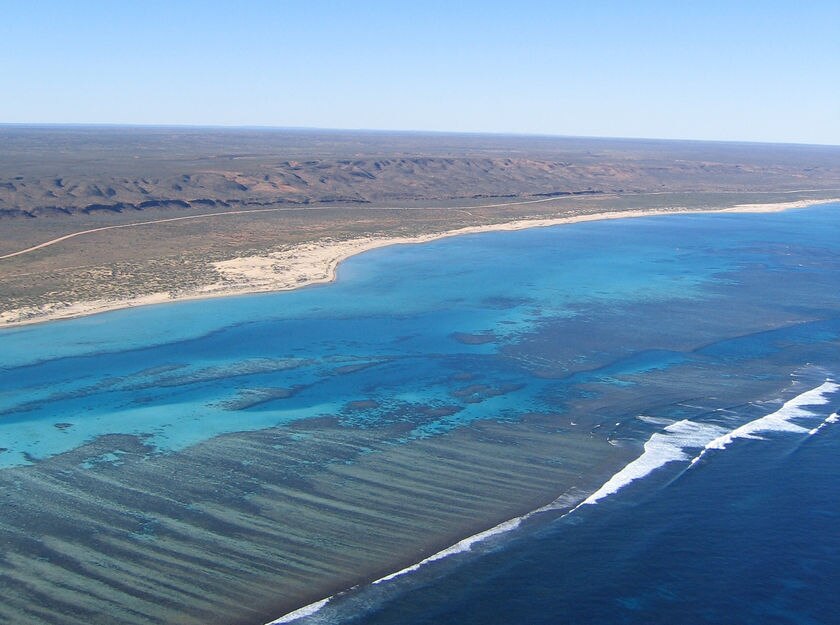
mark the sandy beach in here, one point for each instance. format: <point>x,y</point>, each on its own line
<point>293,267</point>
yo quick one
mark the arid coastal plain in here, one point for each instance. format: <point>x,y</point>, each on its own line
<point>97,218</point>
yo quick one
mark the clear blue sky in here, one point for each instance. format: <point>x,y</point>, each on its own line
<point>750,70</point>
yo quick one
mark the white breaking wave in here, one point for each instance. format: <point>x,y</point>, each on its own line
<point>461,546</point>
<point>306,610</point>
<point>779,421</point>
<point>833,418</point>
<point>660,449</point>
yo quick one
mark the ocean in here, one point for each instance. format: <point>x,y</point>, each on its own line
<point>627,421</point>
<point>745,535</point>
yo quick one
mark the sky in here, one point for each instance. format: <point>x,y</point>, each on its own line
<point>735,70</point>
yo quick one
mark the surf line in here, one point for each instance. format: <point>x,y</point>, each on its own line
<point>669,445</point>
<point>833,418</point>
<point>779,421</point>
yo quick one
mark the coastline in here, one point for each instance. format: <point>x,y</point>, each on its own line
<point>317,262</point>
<point>693,228</point>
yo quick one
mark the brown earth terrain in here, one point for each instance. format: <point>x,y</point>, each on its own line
<point>167,205</point>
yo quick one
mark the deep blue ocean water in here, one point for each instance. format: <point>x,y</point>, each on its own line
<point>749,537</point>
<point>664,334</point>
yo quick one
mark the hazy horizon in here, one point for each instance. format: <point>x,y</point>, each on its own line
<point>751,72</point>
<point>395,131</point>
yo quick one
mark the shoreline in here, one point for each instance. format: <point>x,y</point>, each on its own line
<point>317,262</point>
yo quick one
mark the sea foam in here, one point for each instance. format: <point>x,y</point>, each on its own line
<point>306,610</point>
<point>833,418</point>
<point>660,449</point>
<point>670,445</point>
<point>778,421</point>
<point>461,546</point>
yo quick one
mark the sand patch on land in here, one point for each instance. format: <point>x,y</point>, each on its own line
<point>315,262</point>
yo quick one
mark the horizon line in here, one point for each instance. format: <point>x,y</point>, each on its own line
<point>265,127</point>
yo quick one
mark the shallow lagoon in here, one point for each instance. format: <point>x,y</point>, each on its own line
<point>247,446</point>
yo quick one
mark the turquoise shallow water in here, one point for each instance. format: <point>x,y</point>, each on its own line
<point>399,316</point>
<point>399,323</point>
<point>730,512</point>
<point>618,328</point>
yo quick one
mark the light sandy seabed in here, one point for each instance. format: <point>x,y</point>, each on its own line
<point>315,262</point>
